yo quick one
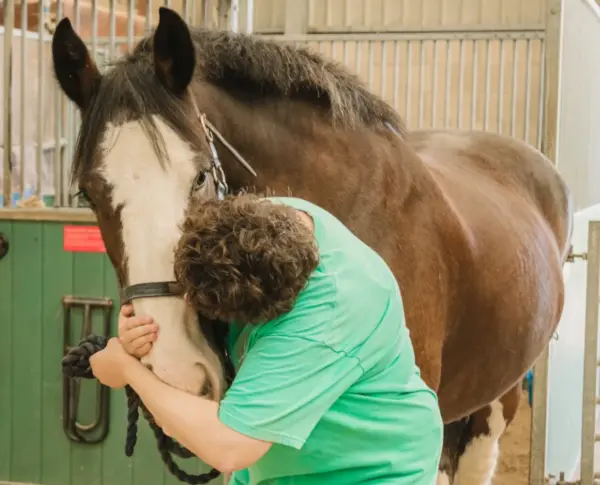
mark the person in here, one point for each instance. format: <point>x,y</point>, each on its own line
<point>326,389</point>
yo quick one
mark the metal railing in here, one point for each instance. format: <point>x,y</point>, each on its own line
<point>473,80</point>
<point>591,400</point>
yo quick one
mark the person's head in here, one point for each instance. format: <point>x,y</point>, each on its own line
<point>244,258</point>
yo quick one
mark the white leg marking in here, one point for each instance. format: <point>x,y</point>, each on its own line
<point>153,200</point>
<point>478,463</point>
<point>442,479</point>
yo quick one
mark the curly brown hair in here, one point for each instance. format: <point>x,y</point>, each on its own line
<point>244,258</point>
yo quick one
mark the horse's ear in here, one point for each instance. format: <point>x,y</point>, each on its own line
<point>74,68</point>
<point>174,53</point>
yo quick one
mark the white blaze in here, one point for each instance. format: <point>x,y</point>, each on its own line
<point>153,200</point>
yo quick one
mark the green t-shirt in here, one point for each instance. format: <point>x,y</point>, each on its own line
<point>333,384</point>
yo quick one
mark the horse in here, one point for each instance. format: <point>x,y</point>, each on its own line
<point>475,226</point>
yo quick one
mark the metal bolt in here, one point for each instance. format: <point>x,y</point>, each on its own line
<point>573,256</point>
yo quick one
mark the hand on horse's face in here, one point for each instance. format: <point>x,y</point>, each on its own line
<point>137,334</point>
<point>110,364</point>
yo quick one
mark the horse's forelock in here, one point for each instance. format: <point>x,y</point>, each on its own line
<point>129,91</point>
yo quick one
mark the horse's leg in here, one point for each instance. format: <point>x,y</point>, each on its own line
<point>454,446</point>
<point>477,463</point>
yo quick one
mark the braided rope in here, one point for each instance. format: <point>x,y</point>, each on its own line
<point>76,363</point>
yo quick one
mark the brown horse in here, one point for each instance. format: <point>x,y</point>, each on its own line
<point>475,226</point>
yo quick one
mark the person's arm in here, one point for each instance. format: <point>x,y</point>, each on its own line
<point>193,421</point>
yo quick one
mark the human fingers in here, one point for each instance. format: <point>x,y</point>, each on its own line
<point>127,310</point>
<point>142,351</point>
<point>130,334</point>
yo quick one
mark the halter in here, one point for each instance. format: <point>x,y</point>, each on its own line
<point>215,170</point>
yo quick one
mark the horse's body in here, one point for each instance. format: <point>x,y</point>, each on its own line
<point>475,226</point>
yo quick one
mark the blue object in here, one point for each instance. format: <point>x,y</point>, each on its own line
<point>529,379</point>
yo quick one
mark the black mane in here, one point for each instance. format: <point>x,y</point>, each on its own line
<point>239,64</point>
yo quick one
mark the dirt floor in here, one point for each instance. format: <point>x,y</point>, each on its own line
<point>513,467</point>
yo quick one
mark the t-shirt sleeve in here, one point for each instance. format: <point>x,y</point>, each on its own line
<point>284,386</point>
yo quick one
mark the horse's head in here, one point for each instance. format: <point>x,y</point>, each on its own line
<point>141,154</point>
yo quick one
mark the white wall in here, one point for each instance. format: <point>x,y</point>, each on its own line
<point>578,142</point>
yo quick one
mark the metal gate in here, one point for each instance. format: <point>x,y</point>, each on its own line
<point>478,77</point>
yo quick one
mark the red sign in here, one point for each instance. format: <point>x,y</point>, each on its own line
<point>83,239</point>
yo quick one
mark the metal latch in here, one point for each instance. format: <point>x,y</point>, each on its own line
<point>97,429</point>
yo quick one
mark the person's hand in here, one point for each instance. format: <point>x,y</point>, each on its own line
<point>110,364</point>
<point>136,333</point>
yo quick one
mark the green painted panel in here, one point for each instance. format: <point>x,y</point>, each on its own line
<point>34,277</point>
<point>26,249</point>
<point>57,267</point>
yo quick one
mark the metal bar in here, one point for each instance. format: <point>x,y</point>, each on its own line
<point>23,99</point>
<point>396,94</point>
<point>590,358</point>
<point>207,10</point>
<point>112,29</point>
<point>488,69</point>
<point>95,30</point>
<point>405,36</point>
<point>515,87</point>
<point>77,9</point>
<point>447,95</point>
<point>501,87</point>
<point>130,25</point>
<point>345,52</point>
<point>149,15</point>
<point>357,59</point>
<point>58,119</point>
<point>235,13</point>
<point>370,66</point>
<point>392,29</point>
<point>9,17</point>
<point>539,417</point>
<point>383,86</point>
<point>528,92</point>
<point>186,11</point>
<point>408,80</point>
<point>249,16</point>
<point>421,86</point>
<point>461,82</point>
<point>474,86</point>
<point>434,87</point>
<point>542,105</point>
<point>41,96</point>
<point>551,77</point>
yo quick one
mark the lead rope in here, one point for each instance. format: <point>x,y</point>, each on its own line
<point>76,364</point>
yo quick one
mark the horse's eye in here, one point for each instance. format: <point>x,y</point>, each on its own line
<point>200,179</point>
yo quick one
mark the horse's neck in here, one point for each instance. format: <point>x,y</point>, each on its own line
<point>293,145</point>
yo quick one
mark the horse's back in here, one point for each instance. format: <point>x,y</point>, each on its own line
<point>501,172</point>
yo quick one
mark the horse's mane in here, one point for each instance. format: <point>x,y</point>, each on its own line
<point>245,66</point>
<point>249,66</point>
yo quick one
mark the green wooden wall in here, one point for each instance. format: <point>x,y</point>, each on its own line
<point>34,276</point>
